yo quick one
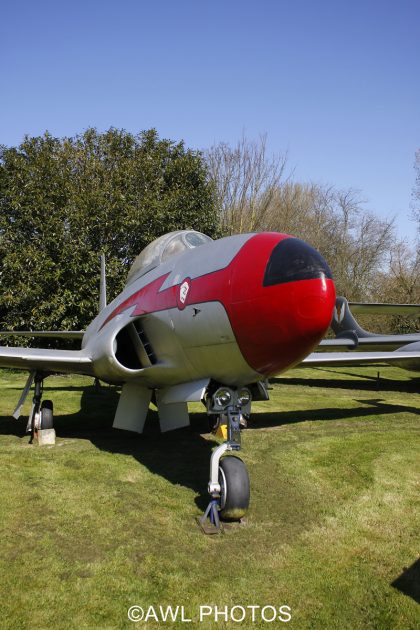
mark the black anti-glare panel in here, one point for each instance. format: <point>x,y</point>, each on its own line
<point>292,260</point>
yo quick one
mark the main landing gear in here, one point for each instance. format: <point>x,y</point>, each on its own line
<point>229,481</point>
<point>41,420</point>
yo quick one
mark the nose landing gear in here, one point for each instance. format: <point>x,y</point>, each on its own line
<point>228,487</point>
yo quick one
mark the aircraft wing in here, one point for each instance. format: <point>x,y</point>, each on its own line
<point>338,359</point>
<point>339,342</point>
<point>377,342</point>
<point>72,361</point>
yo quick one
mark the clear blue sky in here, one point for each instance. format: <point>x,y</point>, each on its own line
<point>334,83</point>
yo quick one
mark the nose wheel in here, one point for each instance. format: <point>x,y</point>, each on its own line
<point>229,486</point>
<point>230,496</point>
<point>234,488</point>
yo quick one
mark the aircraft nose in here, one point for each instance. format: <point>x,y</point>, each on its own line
<point>311,290</point>
<point>314,304</point>
<point>289,308</point>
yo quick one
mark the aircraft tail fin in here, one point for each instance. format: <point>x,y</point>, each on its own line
<point>343,321</point>
<point>102,286</point>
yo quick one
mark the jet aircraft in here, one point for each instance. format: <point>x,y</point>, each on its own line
<point>350,336</point>
<point>198,320</point>
<point>349,333</point>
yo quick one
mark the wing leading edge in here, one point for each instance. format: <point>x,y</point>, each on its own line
<point>407,359</point>
<point>68,361</point>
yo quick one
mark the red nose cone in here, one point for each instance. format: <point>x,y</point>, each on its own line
<point>278,325</point>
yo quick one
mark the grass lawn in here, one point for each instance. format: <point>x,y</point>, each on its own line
<point>105,519</point>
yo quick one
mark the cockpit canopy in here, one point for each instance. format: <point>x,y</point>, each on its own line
<point>165,247</point>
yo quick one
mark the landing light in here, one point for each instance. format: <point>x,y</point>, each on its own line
<point>244,397</point>
<point>222,397</point>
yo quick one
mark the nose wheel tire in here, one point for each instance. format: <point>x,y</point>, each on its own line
<point>234,488</point>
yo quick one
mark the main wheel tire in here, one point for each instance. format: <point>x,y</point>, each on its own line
<point>47,418</point>
<point>235,490</point>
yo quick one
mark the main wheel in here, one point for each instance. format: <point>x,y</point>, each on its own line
<point>47,418</point>
<point>234,485</point>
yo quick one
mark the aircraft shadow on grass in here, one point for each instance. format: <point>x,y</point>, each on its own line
<point>361,382</point>
<point>409,581</point>
<point>376,406</point>
<point>182,456</point>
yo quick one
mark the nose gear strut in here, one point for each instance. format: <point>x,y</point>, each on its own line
<point>229,482</point>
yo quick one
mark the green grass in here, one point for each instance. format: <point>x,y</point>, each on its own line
<point>105,520</point>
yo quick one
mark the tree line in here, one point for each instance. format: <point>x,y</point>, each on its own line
<point>63,201</point>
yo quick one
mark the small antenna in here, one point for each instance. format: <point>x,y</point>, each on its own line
<point>102,286</point>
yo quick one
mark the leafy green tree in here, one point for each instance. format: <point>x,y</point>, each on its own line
<point>65,201</point>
